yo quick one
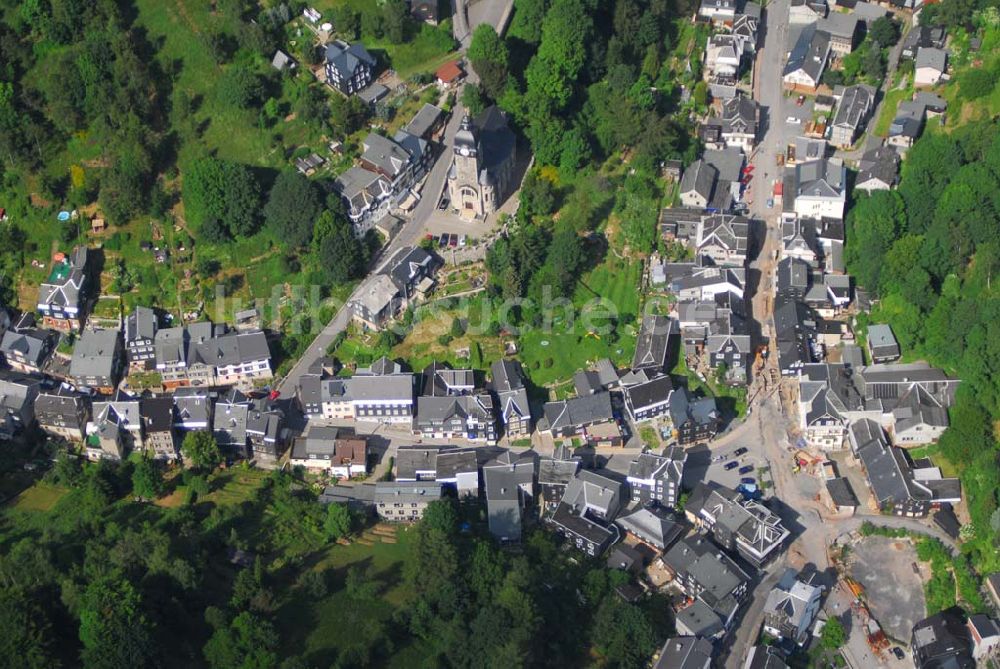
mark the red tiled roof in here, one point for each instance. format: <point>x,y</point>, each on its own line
<point>449,72</point>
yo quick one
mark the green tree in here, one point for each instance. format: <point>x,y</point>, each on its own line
<point>201,450</point>
<point>622,633</point>
<point>114,630</point>
<point>222,197</point>
<point>240,87</point>
<point>337,252</point>
<point>884,31</point>
<point>488,55</point>
<point>833,635</point>
<point>292,207</point>
<point>26,638</point>
<point>147,479</point>
<point>394,19</point>
<point>339,521</point>
<point>248,642</point>
<point>473,99</point>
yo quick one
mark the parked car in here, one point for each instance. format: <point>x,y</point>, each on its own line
<point>444,203</point>
<point>740,451</point>
<point>801,100</point>
<point>898,652</point>
<point>462,240</point>
<point>732,465</point>
<point>748,480</point>
<point>770,202</point>
<point>746,469</point>
<point>794,120</point>
<point>453,240</point>
<point>443,241</point>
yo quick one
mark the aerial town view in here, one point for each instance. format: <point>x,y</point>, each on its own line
<point>625,334</point>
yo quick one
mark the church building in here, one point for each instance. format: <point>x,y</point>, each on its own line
<point>482,171</point>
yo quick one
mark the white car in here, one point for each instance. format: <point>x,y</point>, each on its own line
<point>794,120</point>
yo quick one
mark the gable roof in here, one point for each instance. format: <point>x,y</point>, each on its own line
<point>653,525</point>
<point>653,342</point>
<point>855,103</point>
<point>347,58</point>
<point>809,54</point>
<point>578,411</point>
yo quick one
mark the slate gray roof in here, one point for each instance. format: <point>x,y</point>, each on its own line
<point>642,395</point>
<point>699,559</point>
<point>699,619</point>
<point>916,408</point>
<point>391,492</point>
<point>94,354</point>
<point>654,525</point>
<point>821,178</point>
<point>441,380</point>
<point>699,177</point>
<point>141,324</point>
<point>553,471</point>
<point>728,162</point>
<point>29,343</point>
<point>434,462</point>
<point>508,382</point>
<point>936,59</point>
<point>424,120</point>
<point>385,154</point>
<point>728,231</point>
<point>685,652</point>
<point>841,492</point>
<point>880,336</point>
<point>372,388</point>
<point>653,342</point>
<point>192,405</point>
<point>348,57</point>
<point>579,411</point>
<point>840,25</point>
<point>503,503</point>
<point>880,163</point>
<point>594,490</point>
<point>157,413</point>
<point>440,410</point>
<point>67,286</point>
<point>809,53</point>
<point>855,104</point>
<point>361,187</point>
<point>790,598</point>
<point>758,529</point>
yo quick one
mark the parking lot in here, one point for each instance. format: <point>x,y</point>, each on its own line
<point>705,464</point>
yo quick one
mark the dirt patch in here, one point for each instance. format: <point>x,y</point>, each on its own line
<point>893,589</point>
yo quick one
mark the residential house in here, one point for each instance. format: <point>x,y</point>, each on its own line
<point>588,507</point>
<point>117,425</point>
<point>509,482</point>
<point>349,67</point>
<point>397,501</point>
<point>229,421</point>
<point>456,468</point>
<point>554,474</point>
<point>513,407</point>
<point>918,418</point>
<point>281,61</point>
<point>710,578</point>
<point>450,74</point>
<point>240,359</point>
<point>795,334</point>
<point>829,400</point>
<point>265,429</point>
<point>878,169</point>
<point>694,419</point>
<point>657,478</point>
<point>853,111</point>
<point>402,160</point>
<point>653,525</point>
<point>882,345</point>
<point>590,418</point>
<point>821,189</point>
<point>707,283</point>
<point>807,60</point>
<point>157,414</point>
<point>722,240</point>
<point>440,380</point>
<point>62,298</point>
<point>746,26</point>
<point>930,66</point>
<point>764,656</point>
<point>791,608</point>
<point>907,125</point>
<point>804,12</point>
<point>844,30</point>
<point>899,485</point>
<point>985,634</point>
<point>382,398</point>
<point>685,652</point>
<point>18,393</point>
<point>367,197</point>
<point>679,223</point>
<point>193,409</point>
<point>887,382</point>
<point>393,289</point>
<point>744,526</point>
<point>202,355</point>
<point>336,451</point>
<point>698,184</point>
<point>728,188</point>
<point>471,417</point>
<point>942,641</point>
<point>723,55</point>
<point>842,497</point>
<point>140,332</point>
<point>427,122</point>
<point>27,349</point>
<point>719,12</point>
<point>63,414</point>
<point>740,120</point>
<point>97,360</point>
<point>647,400</point>
<point>653,343</point>
<point>926,37</point>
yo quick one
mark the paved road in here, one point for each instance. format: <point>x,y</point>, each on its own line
<point>409,235</point>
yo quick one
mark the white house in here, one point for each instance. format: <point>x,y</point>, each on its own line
<point>821,189</point>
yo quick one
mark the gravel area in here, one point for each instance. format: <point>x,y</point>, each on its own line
<point>894,590</point>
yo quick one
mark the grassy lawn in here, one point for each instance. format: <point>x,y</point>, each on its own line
<point>326,626</point>
<point>933,451</point>
<point>39,497</point>
<point>889,106</point>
